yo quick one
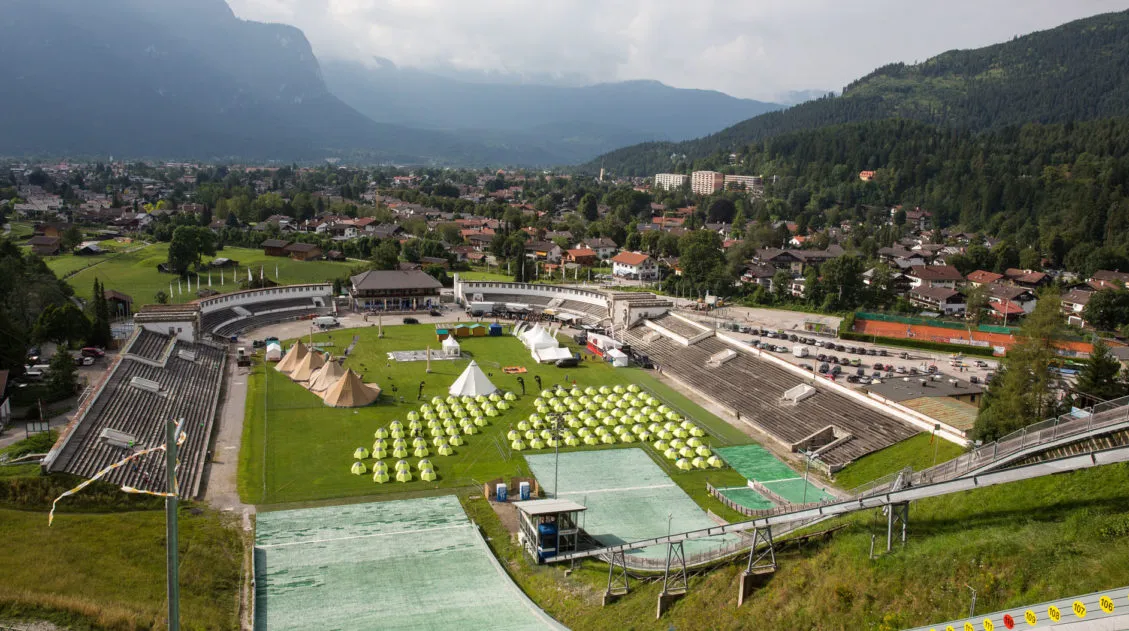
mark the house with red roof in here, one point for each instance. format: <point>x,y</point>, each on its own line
<point>635,266</point>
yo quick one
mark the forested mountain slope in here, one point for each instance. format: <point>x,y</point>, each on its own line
<point>1077,71</point>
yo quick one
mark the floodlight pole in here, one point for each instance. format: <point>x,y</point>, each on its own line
<point>171,526</point>
<point>557,455</point>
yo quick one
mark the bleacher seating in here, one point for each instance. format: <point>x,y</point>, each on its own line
<point>678,327</point>
<point>148,345</point>
<point>273,305</point>
<point>188,390</point>
<point>254,322</point>
<point>754,387</point>
<point>209,321</point>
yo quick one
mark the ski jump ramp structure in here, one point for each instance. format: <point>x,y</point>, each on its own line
<point>1011,459</point>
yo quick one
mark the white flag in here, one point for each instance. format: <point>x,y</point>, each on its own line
<point>249,276</point>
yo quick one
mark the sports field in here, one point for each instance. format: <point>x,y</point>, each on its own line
<point>296,449</point>
<point>408,564</point>
<point>135,273</point>
<point>628,496</point>
<point>757,463</point>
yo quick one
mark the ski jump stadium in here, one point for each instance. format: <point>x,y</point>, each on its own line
<point>174,366</point>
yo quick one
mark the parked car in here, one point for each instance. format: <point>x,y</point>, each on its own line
<point>824,368</point>
<point>973,379</point>
<point>411,321</point>
<point>861,372</point>
<point>883,352</point>
<point>822,357</point>
<point>435,313</point>
<point>912,370</point>
<point>932,368</point>
<point>903,355</point>
<point>877,365</point>
<point>83,360</point>
<point>980,363</point>
<point>93,351</point>
<point>782,349</point>
<point>901,370</point>
<point>806,366</point>
<point>856,362</point>
<point>875,375</point>
<point>793,338</point>
<point>835,370</point>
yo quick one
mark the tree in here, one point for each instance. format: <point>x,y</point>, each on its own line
<point>588,207</point>
<point>1024,391</point>
<point>700,257</point>
<point>72,236</point>
<point>161,297</point>
<point>782,285</point>
<point>1108,309</point>
<point>1100,377</point>
<point>842,279</point>
<point>188,246</point>
<point>100,334</point>
<point>61,324</point>
<point>386,255</point>
<point>976,302</point>
<point>62,377</point>
<point>439,273</point>
<point>721,209</point>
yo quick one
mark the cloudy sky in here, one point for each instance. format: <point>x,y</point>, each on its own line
<point>750,48</point>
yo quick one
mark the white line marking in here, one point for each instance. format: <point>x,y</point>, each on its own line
<point>376,534</point>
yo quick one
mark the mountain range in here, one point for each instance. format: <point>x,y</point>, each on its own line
<point>188,79</point>
<point>571,123</point>
<point>1077,71</point>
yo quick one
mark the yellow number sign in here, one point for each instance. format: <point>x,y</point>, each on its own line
<point>1031,617</point>
<point>1054,614</point>
<point>1106,604</point>
<point>1079,608</point>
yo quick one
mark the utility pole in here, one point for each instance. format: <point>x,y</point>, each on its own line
<point>171,527</point>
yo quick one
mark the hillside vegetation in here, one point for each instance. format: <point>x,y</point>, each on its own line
<point>1077,71</point>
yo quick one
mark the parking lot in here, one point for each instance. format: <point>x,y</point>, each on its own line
<point>860,363</point>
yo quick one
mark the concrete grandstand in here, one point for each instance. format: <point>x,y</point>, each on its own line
<point>589,306</point>
<point>157,378</point>
<point>834,428</point>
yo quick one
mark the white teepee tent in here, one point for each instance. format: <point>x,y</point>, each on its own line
<point>472,383</point>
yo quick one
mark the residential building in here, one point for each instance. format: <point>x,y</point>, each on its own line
<point>303,251</point>
<point>670,181</point>
<point>981,277</point>
<point>1028,279</point>
<point>543,251</point>
<point>866,176</point>
<point>581,256</point>
<point>1011,300</point>
<point>759,274</point>
<point>940,299</point>
<point>706,182</point>
<point>945,276</point>
<point>635,265</point>
<point>1074,303</point>
<point>1111,279</point>
<point>605,248</point>
<point>275,247</point>
<point>747,182</point>
<point>45,246</point>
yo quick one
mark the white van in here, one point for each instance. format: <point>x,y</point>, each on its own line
<point>326,322</point>
<point>800,351</point>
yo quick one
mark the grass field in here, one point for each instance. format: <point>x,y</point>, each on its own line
<point>108,571</point>
<point>916,452</point>
<point>135,273</point>
<point>309,447</point>
<point>1015,544</point>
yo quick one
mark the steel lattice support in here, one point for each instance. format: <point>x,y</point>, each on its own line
<point>617,575</point>
<point>896,514</point>
<point>676,583</point>
<point>757,561</point>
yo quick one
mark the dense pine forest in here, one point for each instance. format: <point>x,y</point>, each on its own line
<point>1078,71</point>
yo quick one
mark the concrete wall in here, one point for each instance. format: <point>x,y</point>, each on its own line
<point>465,290</point>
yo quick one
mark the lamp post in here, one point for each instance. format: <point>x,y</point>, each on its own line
<point>936,428</point>
<point>556,455</point>
<point>807,465</point>
<point>972,607</point>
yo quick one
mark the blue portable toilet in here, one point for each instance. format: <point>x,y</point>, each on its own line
<point>501,492</point>
<point>523,490</point>
<point>495,330</point>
